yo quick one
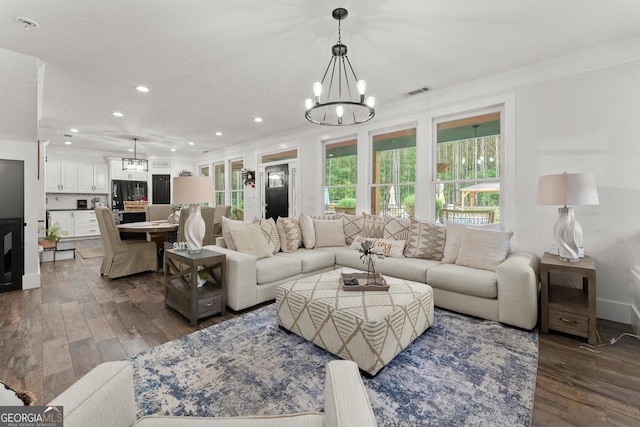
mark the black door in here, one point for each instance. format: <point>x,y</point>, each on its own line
<point>277,192</point>
<point>161,187</point>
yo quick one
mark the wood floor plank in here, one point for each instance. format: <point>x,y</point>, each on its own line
<point>51,336</point>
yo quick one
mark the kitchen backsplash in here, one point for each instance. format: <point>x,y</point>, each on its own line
<point>69,201</point>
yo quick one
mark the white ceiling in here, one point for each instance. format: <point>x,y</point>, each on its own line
<point>215,65</point>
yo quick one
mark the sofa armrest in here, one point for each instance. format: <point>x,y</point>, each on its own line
<point>241,278</point>
<point>346,402</point>
<point>518,290</point>
<point>103,397</point>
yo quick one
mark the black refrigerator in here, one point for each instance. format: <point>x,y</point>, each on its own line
<point>122,191</point>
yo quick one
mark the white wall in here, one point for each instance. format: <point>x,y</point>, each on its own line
<point>575,114</point>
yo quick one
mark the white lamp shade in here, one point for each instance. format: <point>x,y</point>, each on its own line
<point>567,189</point>
<point>192,189</point>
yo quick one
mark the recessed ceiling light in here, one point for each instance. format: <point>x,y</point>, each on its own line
<point>173,149</point>
<point>130,149</point>
<point>192,143</point>
<point>118,114</point>
<point>74,130</point>
<point>257,119</point>
<point>67,142</point>
<point>142,89</point>
<point>219,133</point>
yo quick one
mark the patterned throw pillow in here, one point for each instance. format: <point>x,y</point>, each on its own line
<point>307,230</point>
<point>351,225</point>
<point>396,228</point>
<point>270,232</point>
<point>484,249</point>
<point>426,240</point>
<point>289,233</point>
<point>373,226</point>
<point>390,248</point>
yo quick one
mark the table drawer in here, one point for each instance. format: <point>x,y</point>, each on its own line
<point>210,304</point>
<point>571,323</point>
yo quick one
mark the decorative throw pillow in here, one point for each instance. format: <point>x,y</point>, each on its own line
<point>270,232</point>
<point>289,233</point>
<point>396,228</point>
<point>390,248</point>
<point>227,226</point>
<point>329,232</point>
<point>351,225</point>
<point>484,249</point>
<point>454,231</point>
<point>307,230</point>
<point>373,226</point>
<point>426,240</point>
<point>324,216</point>
<point>250,240</point>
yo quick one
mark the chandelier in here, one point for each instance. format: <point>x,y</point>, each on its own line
<point>341,106</point>
<point>133,163</point>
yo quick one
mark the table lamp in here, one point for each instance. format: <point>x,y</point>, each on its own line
<point>568,189</point>
<point>193,190</point>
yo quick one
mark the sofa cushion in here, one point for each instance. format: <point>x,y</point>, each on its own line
<point>463,280</point>
<point>396,228</point>
<point>328,232</point>
<point>270,231</point>
<point>414,269</point>
<point>373,226</point>
<point>251,240</point>
<point>307,230</point>
<point>227,226</point>
<point>312,259</point>
<point>484,249</point>
<point>426,240</point>
<point>289,233</point>
<point>277,268</point>
<point>454,233</point>
<point>352,226</point>
<point>391,248</point>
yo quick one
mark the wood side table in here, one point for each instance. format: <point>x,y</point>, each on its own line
<point>181,283</point>
<point>567,309</point>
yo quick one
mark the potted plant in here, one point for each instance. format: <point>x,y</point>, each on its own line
<point>346,205</point>
<point>52,235</point>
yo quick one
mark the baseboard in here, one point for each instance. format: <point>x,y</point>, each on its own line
<point>613,310</point>
<point>31,281</point>
<point>635,319</point>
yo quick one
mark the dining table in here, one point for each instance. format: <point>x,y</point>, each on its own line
<point>155,228</point>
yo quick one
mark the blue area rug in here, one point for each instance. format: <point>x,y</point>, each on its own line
<point>462,371</point>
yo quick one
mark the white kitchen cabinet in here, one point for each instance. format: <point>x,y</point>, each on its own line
<point>118,173</point>
<point>61,177</point>
<point>65,219</point>
<point>93,178</point>
<point>85,224</point>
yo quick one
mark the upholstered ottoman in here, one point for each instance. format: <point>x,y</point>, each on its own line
<point>368,327</point>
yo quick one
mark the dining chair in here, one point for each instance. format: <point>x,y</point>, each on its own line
<point>220,212</point>
<point>157,213</point>
<point>123,258</point>
<point>208,213</point>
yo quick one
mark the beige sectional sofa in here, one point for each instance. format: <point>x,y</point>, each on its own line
<point>471,270</point>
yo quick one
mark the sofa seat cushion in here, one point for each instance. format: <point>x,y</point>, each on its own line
<point>463,280</point>
<point>311,259</point>
<point>414,269</point>
<point>277,268</point>
<point>309,419</point>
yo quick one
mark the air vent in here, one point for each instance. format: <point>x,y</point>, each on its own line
<point>417,91</point>
<point>66,135</point>
<point>26,22</point>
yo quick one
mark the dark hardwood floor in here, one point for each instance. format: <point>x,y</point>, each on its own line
<point>51,336</point>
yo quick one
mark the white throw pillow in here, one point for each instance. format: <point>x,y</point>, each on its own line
<point>328,232</point>
<point>390,248</point>
<point>307,230</point>
<point>250,240</point>
<point>454,232</point>
<point>227,226</point>
<point>483,249</point>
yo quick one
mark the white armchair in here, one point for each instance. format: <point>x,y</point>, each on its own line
<point>104,397</point>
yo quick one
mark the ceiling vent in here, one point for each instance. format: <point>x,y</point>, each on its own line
<point>417,91</point>
<point>26,22</point>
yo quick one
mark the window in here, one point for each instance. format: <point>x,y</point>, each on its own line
<point>279,156</point>
<point>340,176</point>
<point>237,190</point>
<point>468,164</point>
<point>218,178</point>
<point>394,173</point>
<point>204,170</point>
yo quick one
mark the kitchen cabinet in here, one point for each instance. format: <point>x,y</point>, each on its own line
<point>118,173</point>
<point>61,177</point>
<point>93,178</point>
<point>65,219</point>
<point>85,224</point>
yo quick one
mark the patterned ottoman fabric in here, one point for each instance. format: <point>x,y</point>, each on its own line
<point>370,327</point>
